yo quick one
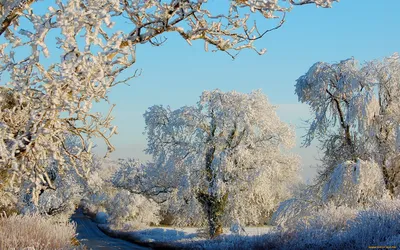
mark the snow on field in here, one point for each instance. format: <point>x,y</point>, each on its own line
<point>175,234</point>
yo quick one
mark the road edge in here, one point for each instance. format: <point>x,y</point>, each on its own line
<point>130,237</point>
<point>127,236</point>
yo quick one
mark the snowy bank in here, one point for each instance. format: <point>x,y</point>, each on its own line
<point>185,238</point>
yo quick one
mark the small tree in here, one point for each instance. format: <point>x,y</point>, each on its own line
<point>226,152</point>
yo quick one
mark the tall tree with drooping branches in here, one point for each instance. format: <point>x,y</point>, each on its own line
<point>356,113</point>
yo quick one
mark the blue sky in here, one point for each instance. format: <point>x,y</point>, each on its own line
<point>176,73</point>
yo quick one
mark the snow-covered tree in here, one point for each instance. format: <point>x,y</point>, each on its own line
<point>66,191</point>
<point>57,85</point>
<point>59,203</point>
<point>356,117</point>
<point>16,137</point>
<point>383,134</point>
<point>161,186</point>
<point>144,179</point>
<point>98,185</point>
<point>303,203</point>
<point>119,189</point>
<point>356,113</point>
<point>48,176</point>
<point>339,95</point>
<point>227,152</point>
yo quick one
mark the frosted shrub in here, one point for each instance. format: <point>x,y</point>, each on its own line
<point>94,203</point>
<point>289,212</point>
<point>180,208</point>
<point>101,217</point>
<point>305,202</point>
<point>132,211</point>
<point>238,242</point>
<point>345,228</point>
<point>306,227</point>
<point>34,232</point>
<point>356,184</point>
<point>374,226</point>
<point>330,219</point>
<point>237,228</point>
<point>352,184</point>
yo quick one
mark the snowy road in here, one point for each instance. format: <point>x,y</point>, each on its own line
<point>93,238</point>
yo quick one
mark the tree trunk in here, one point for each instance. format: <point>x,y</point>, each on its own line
<point>213,205</point>
<point>388,181</point>
<point>214,208</point>
<point>390,174</point>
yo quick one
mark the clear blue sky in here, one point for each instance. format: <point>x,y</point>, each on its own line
<point>175,74</point>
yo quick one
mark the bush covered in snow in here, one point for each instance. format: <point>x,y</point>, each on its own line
<point>378,226</point>
<point>329,219</point>
<point>350,210</point>
<point>132,211</point>
<point>235,242</point>
<point>290,211</point>
<point>179,209</point>
<point>355,184</point>
<point>59,202</point>
<point>341,227</point>
<point>35,232</point>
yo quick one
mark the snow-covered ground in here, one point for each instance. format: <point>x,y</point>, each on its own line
<point>329,228</point>
<point>185,235</point>
<point>196,238</point>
